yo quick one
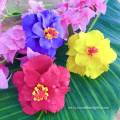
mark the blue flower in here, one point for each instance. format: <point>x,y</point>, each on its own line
<point>44,32</point>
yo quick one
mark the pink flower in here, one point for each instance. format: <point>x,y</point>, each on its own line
<point>11,41</point>
<point>78,13</point>
<point>36,7</point>
<point>41,85</point>
<point>30,55</point>
<point>80,3</point>
<point>4,71</point>
<point>65,21</point>
<point>0,28</point>
<point>62,7</point>
<point>81,19</point>
<point>99,6</point>
<point>2,6</point>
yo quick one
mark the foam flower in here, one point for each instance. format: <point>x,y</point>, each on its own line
<point>89,54</point>
<point>12,41</point>
<point>41,85</point>
<point>4,71</point>
<point>44,32</point>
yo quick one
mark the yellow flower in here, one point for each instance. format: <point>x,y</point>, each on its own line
<point>89,54</point>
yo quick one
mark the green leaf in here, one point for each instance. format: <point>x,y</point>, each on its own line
<point>70,30</point>
<point>88,99</point>
<point>15,11</point>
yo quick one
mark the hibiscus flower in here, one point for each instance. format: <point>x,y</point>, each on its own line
<point>42,85</point>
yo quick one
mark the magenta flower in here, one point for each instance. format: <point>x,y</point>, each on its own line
<point>42,85</point>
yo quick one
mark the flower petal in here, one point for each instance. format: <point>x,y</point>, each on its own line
<point>50,78</point>
<point>81,60</point>
<point>40,105</point>
<point>27,22</point>
<point>58,27</point>
<point>32,43</point>
<point>31,77</point>
<point>33,64</point>
<point>93,73</point>
<point>27,93</point>
<point>63,78</point>
<point>28,109</point>
<point>57,42</point>
<point>3,80</point>
<point>94,63</point>
<point>37,29</point>
<point>45,43</point>
<point>51,52</point>
<point>18,80</point>
<point>94,38</point>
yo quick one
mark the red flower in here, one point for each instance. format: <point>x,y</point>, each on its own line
<point>41,85</point>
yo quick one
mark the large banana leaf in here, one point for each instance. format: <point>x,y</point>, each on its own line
<point>88,99</point>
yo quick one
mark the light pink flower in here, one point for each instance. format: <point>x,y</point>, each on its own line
<point>65,23</point>
<point>62,7</point>
<point>4,72</point>
<point>81,19</point>
<point>12,41</point>
<point>0,28</point>
<point>78,13</point>
<point>36,7</point>
<point>80,3</point>
<point>2,6</point>
<point>29,56</point>
<point>99,5</point>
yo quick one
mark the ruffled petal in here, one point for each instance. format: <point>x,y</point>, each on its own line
<point>45,43</point>
<point>94,63</point>
<point>31,77</point>
<point>28,109</point>
<point>81,59</point>
<point>39,64</point>
<point>50,78</point>
<point>57,42</point>
<point>63,78</point>
<point>37,29</point>
<point>51,52</point>
<point>18,80</point>
<point>27,93</point>
<point>27,22</point>
<point>32,43</point>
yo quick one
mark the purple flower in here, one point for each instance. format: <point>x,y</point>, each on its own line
<point>44,32</point>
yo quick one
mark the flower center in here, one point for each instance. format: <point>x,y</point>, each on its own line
<point>92,50</point>
<point>50,33</point>
<point>40,93</point>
